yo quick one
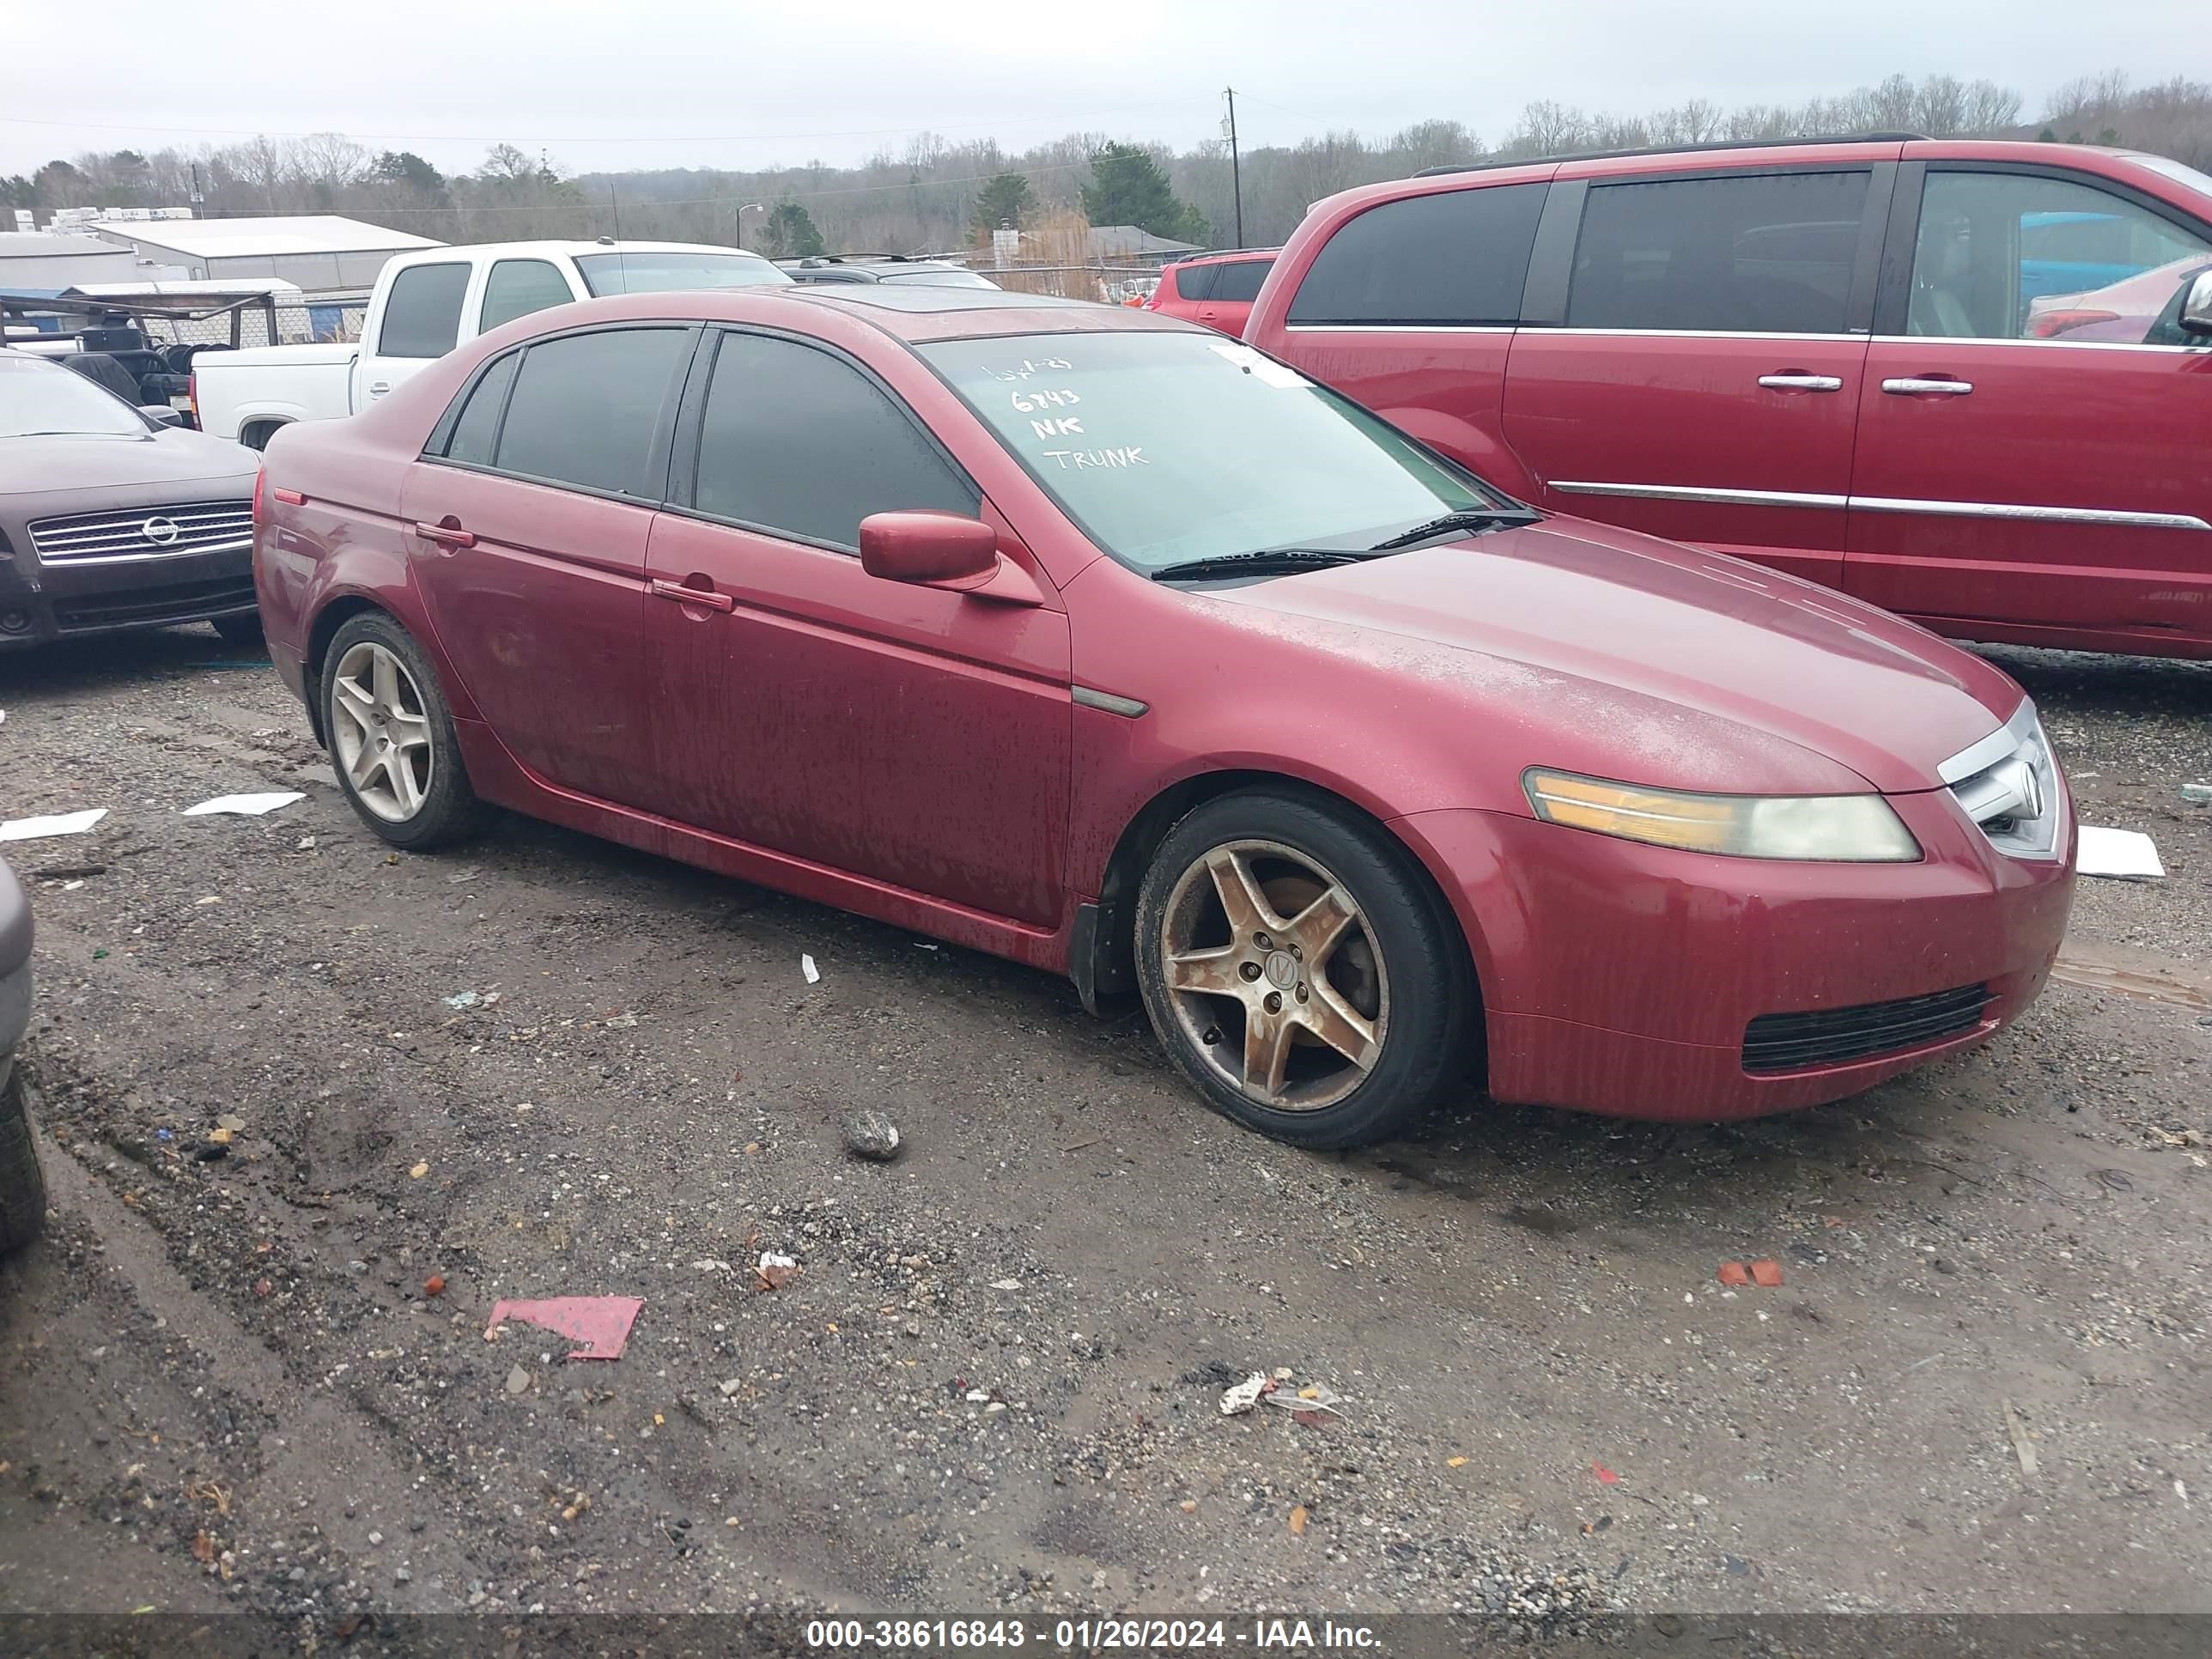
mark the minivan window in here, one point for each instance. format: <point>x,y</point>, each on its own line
<point>783,427</point>
<point>1167,448</point>
<point>1754,253</point>
<point>586,407</point>
<point>518,287</point>
<point>2004,256</point>
<point>1239,280</point>
<point>1196,282</point>
<point>1458,257</point>
<point>477,429</point>
<point>422,313</point>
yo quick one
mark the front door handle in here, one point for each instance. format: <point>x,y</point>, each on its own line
<point>685,595</point>
<point>1911,388</point>
<point>446,535</point>
<point>1793,382</point>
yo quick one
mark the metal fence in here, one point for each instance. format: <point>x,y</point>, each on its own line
<point>1114,284</point>
<point>328,318</point>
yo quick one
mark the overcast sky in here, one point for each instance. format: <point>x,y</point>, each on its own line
<point>616,84</point>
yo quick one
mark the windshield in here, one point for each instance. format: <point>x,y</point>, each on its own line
<point>39,398</point>
<point>1172,447</point>
<point>648,272</point>
<point>937,278</point>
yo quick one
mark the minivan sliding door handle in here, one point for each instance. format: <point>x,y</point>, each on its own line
<point>1801,382</point>
<point>1911,388</point>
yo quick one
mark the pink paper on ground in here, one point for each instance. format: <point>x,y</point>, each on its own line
<point>601,1323</point>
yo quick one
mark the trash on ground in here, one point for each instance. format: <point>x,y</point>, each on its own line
<point>1455,1462</point>
<point>2022,1447</point>
<point>1734,1273</point>
<point>54,824</point>
<point>1604,1474</point>
<point>871,1135</point>
<point>1313,1401</point>
<point>600,1323</point>
<point>434,1284</point>
<point>1298,1521</point>
<point>249,807</point>
<point>807,966</point>
<point>774,1271</point>
<point>2124,855</point>
<point>418,1171</point>
<point>1766,1274</point>
<point>2201,793</point>
<point>1239,1399</point>
<point>461,999</point>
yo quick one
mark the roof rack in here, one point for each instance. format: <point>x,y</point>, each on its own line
<point>1678,149</point>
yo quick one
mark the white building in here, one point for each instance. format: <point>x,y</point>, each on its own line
<point>39,259</point>
<point>320,253</point>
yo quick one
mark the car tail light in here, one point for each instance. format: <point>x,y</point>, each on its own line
<point>192,398</point>
<point>2047,325</point>
<point>260,484</point>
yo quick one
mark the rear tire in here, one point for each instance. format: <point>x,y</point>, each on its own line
<point>22,1187</point>
<point>1301,971</point>
<point>392,739</point>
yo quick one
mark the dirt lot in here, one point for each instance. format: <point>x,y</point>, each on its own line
<point>995,1380</point>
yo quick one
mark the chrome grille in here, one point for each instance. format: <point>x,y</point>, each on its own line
<point>150,532</point>
<point>2009,785</point>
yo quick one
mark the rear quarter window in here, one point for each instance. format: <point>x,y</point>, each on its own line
<point>422,313</point>
<point>1194,282</point>
<point>1456,257</point>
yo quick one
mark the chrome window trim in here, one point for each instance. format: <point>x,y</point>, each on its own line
<point>1699,493</point>
<point>2018,510</point>
<point>1937,342</point>
<point>1858,335</point>
<point>1400,328</point>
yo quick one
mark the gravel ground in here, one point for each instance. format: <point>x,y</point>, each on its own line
<point>225,1381</point>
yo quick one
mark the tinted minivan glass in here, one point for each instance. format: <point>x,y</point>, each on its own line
<point>477,429</point>
<point>586,407</point>
<point>1458,257</point>
<point>1751,254</point>
<point>422,313</point>
<point>797,440</point>
<point>1239,282</point>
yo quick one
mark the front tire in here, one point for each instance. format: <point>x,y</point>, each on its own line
<point>22,1186</point>
<point>391,740</point>
<point>1301,972</point>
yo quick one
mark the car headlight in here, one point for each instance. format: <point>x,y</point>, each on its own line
<point>1844,828</point>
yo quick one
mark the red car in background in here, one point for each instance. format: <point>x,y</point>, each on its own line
<point>1840,359</point>
<point>1093,640</point>
<point>1216,289</point>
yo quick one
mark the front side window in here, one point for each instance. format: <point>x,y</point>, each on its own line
<point>585,408</point>
<point>422,313</point>
<point>2018,257</point>
<point>518,287</point>
<point>1454,256</point>
<point>797,440</point>
<point>1239,282</point>
<point>476,432</point>
<point>649,272</point>
<point>1752,254</point>
<point>1170,447</point>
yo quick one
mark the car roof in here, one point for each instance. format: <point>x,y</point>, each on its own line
<point>571,249</point>
<point>914,315</point>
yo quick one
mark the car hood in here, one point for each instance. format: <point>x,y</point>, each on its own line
<point>1616,634</point>
<point>57,465</point>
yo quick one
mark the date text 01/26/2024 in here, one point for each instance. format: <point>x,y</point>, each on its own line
<point>1088,1635</point>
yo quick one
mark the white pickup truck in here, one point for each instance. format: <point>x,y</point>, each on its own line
<point>425,304</point>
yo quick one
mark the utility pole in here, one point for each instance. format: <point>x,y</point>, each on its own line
<point>1236,170</point>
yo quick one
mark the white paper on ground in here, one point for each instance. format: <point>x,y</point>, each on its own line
<point>2127,854</point>
<point>246,806</point>
<point>807,966</point>
<point>59,824</point>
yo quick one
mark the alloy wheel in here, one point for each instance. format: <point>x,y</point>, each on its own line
<point>380,730</point>
<point>1275,975</point>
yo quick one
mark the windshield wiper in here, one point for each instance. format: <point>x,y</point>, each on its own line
<point>1266,561</point>
<point>1486,518</point>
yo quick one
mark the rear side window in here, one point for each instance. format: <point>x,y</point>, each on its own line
<point>1752,254</point>
<point>422,313</point>
<point>518,287</point>
<point>1240,282</point>
<point>477,429</point>
<point>585,408</point>
<point>1194,282</point>
<point>1459,257</point>
<point>798,441</point>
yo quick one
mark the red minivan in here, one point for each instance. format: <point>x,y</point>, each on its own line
<point>1970,381</point>
<point>1217,291</point>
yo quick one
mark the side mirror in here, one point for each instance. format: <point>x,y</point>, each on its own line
<point>161,415</point>
<point>2196,309</point>
<point>933,550</point>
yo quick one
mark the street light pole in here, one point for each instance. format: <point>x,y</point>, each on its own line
<point>1236,170</point>
<point>749,207</point>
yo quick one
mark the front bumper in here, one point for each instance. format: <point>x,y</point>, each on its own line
<point>41,604</point>
<point>1622,978</point>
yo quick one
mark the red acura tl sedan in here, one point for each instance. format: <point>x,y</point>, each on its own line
<point>1091,638</point>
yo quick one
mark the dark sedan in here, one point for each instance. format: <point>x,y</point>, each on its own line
<point>111,518</point>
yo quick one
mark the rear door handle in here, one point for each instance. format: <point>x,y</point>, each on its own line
<point>377,388</point>
<point>699,596</point>
<point>1796,382</point>
<point>446,535</point>
<point>1914,388</point>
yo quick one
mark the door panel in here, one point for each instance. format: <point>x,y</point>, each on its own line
<point>2029,458</point>
<point>913,736</point>
<point>542,618</point>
